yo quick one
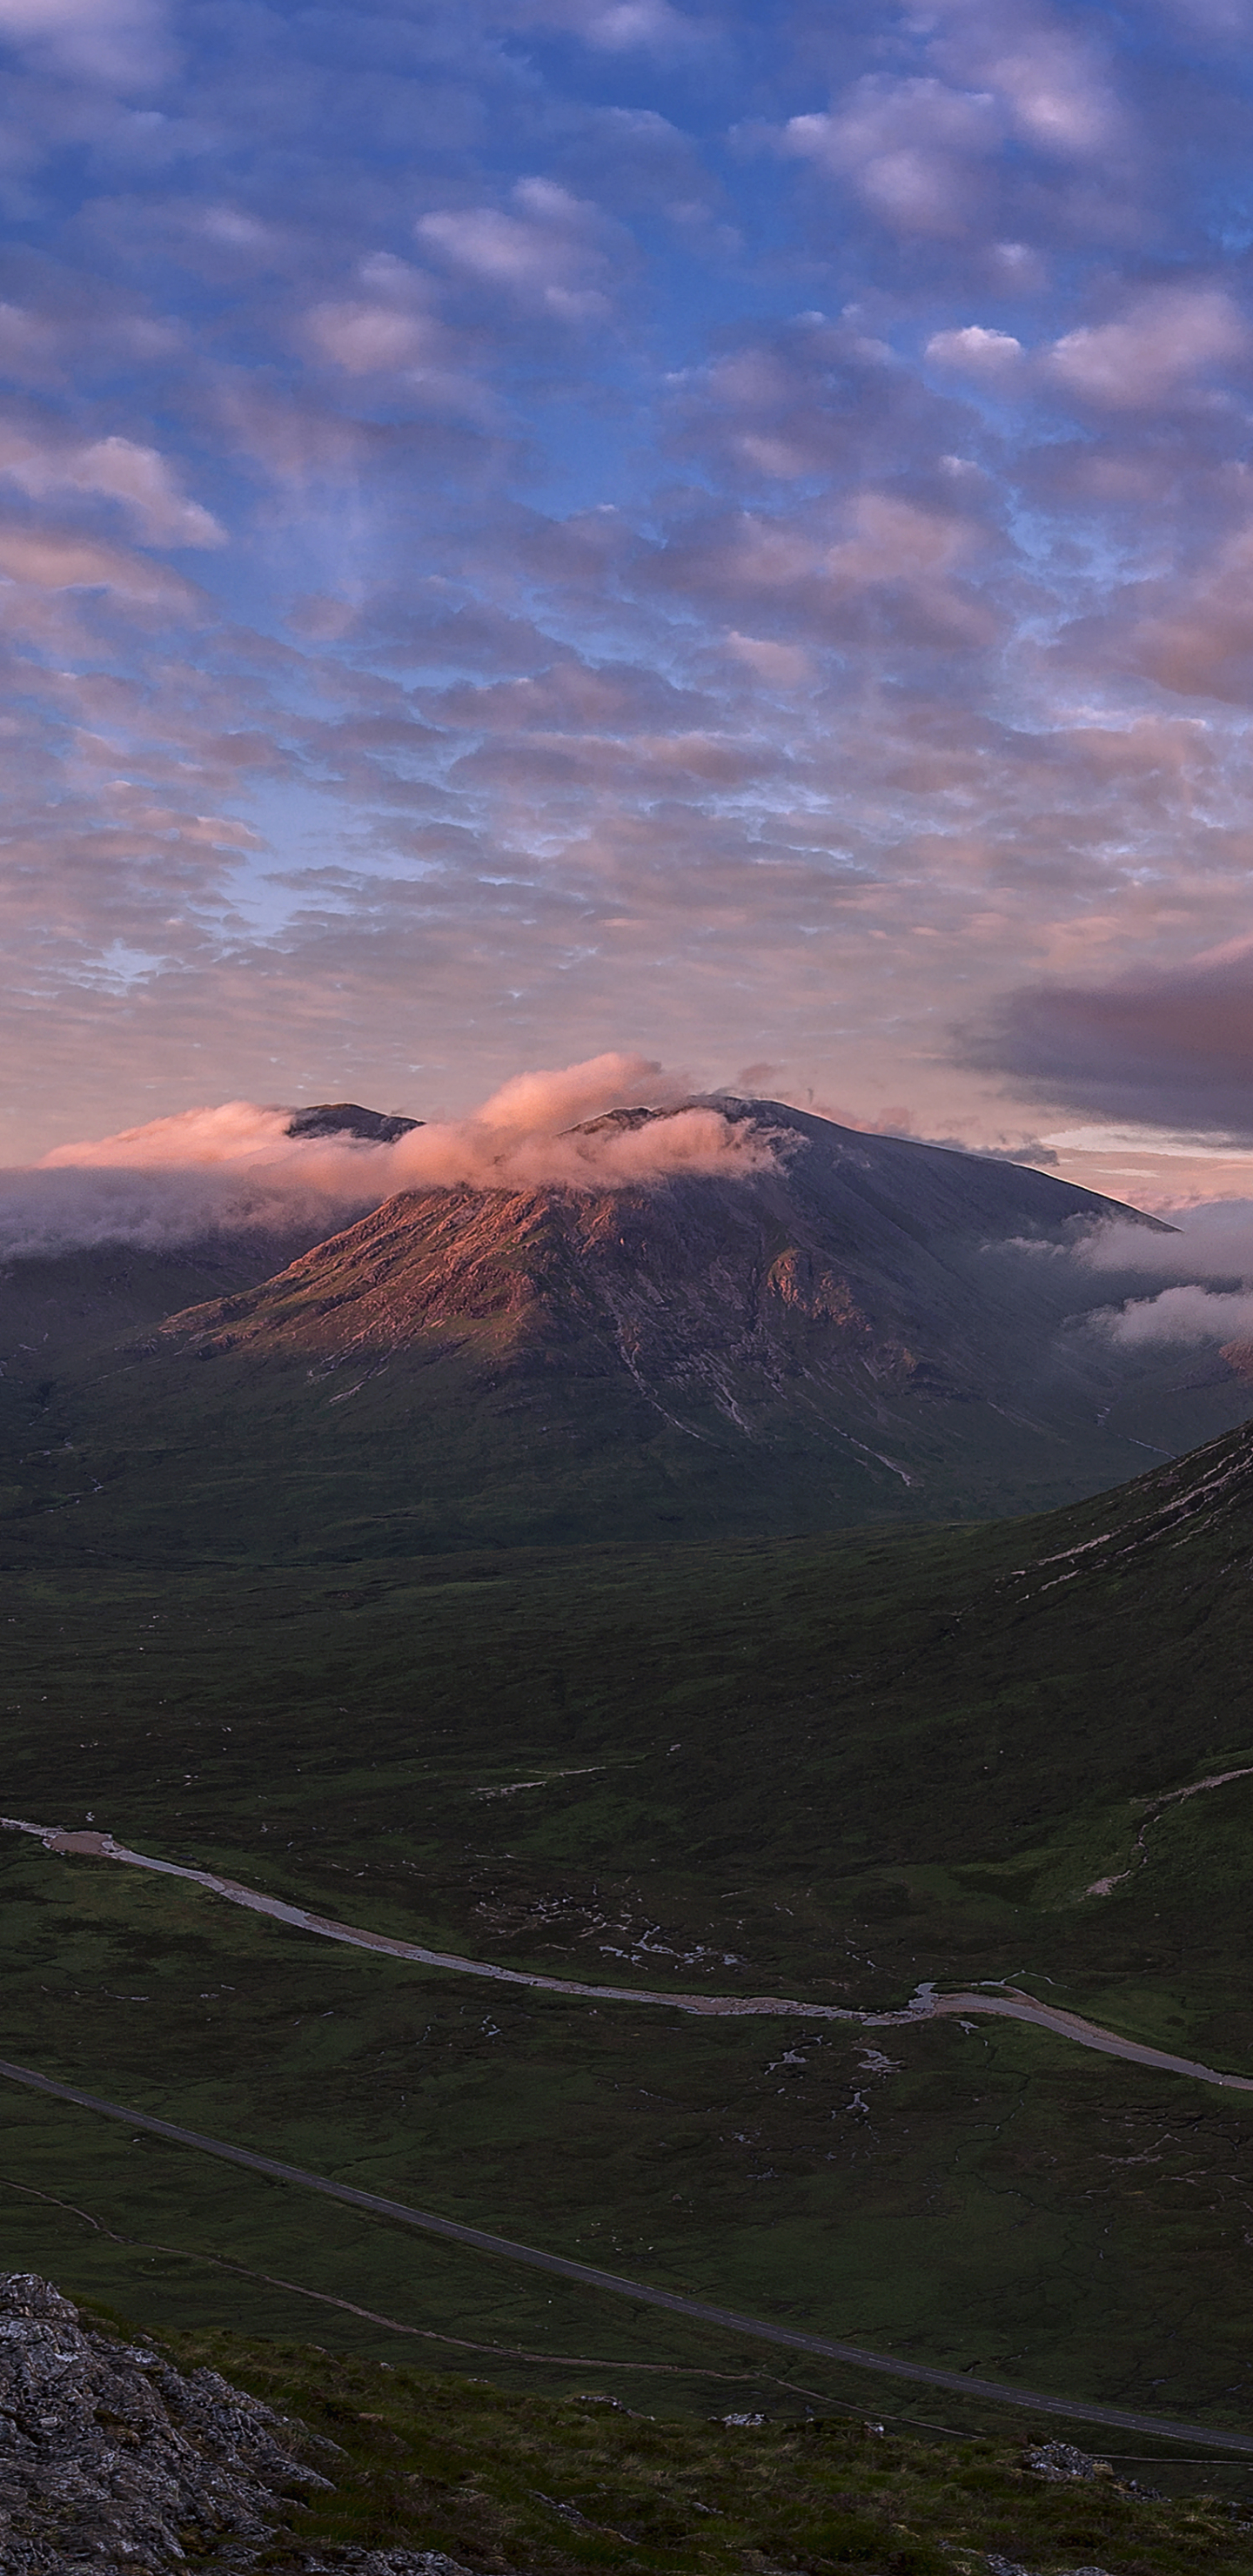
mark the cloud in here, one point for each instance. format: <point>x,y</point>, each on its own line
<point>550,252</point>
<point>929,152</point>
<point>58,559</point>
<point>1187,1315</point>
<point>1205,1252</point>
<point>1154,352</point>
<point>234,1168</point>
<point>615,26</point>
<point>1193,632</point>
<point>29,343</point>
<point>976,351</point>
<point>1211,1242</point>
<point>883,565</point>
<point>371,338</point>
<point>1052,83</point>
<point>913,149</point>
<point>120,43</point>
<point>1160,350</point>
<point>113,469</point>
<point>389,328</point>
<point>778,666</point>
<point>1172,1046</point>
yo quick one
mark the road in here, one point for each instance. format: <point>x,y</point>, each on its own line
<point>641,2293</point>
<point>1007,2003</point>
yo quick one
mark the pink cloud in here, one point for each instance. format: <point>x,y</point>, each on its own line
<point>55,559</point>
<point>911,148</point>
<point>1054,89</point>
<point>1154,351</point>
<point>235,1167</point>
<point>779,666</point>
<point>112,469</point>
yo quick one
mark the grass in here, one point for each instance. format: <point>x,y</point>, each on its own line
<point>558,2487</point>
<point>830,1768</point>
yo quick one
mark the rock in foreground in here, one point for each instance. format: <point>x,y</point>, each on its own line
<point>111,2458</point>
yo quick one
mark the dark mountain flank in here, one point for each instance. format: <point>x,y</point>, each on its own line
<point>864,1328</point>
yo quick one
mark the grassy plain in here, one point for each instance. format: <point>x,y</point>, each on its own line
<point>830,1769</point>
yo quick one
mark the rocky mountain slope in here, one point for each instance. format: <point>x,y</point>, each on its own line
<point>860,1328</point>
<point>56,1306</point>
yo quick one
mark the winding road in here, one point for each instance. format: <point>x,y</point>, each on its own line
<point>961,2383</point>
<point>1006,2003</point>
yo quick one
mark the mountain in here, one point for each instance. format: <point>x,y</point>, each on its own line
<point>56,1306</point>
<point>347,1118</point>
<point>862,1328</point>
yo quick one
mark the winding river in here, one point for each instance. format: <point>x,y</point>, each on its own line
<point>999,2001</point>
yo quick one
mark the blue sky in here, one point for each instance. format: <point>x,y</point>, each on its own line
<point>563,525</point>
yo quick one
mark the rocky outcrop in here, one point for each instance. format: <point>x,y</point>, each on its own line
<point>110,2458</point>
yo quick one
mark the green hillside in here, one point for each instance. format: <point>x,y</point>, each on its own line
<point>507,2481</point>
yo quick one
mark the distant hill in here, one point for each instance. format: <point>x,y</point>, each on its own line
<point>867,1329</point>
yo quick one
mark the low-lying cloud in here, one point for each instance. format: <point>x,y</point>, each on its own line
<point>235,1168</point>
<point>1189,1315</point>
<point>1208,1262</point>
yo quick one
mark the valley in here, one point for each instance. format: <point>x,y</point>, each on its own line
<point>822,1770</point>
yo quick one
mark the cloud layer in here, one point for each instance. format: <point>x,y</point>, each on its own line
<point>1208,1263</point>
<point>1174,1045</point>
<point>234,1168</point>
<point>534,520</point>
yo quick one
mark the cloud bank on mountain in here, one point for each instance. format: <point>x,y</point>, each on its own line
<point>1206,1264</point>
<point>236,1168</point>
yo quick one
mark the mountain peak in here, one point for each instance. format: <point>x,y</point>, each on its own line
<point>347,1118</point>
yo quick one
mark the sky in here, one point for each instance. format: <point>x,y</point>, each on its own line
<point>540,528</point>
